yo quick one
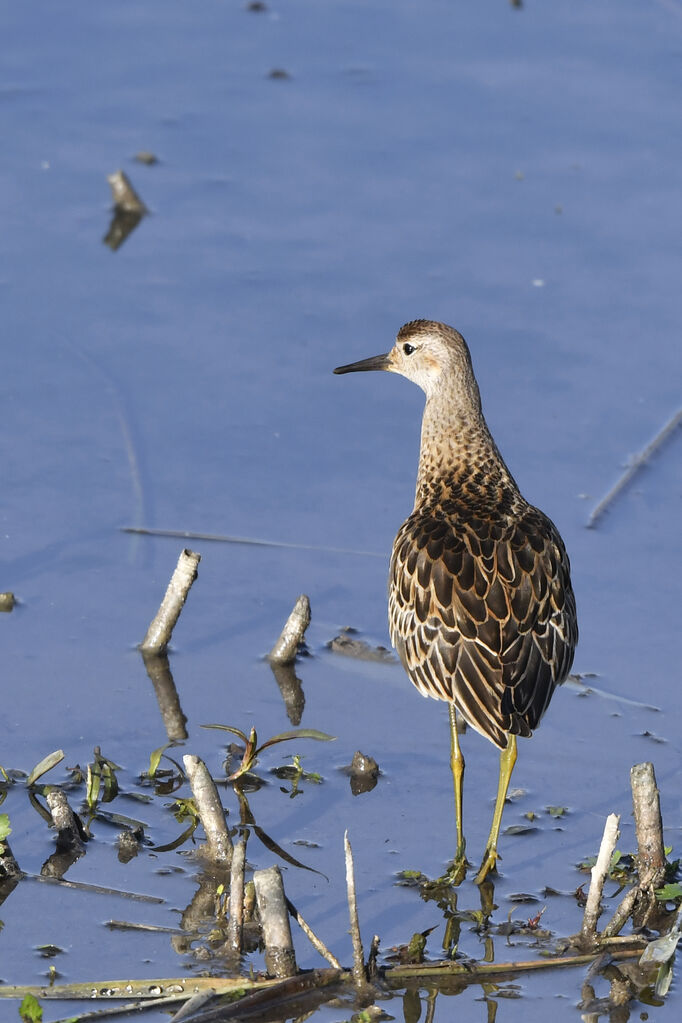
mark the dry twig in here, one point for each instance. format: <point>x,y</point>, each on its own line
<point>588,932</point>
<point>316,942</point>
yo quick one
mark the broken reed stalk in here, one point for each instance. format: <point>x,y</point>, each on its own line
<point>588,932</point>
<point>64,820</point>
<point>359,975</point>
<point>316,942</point>
<point>280,958</point>
<point>210,810</point>
<point>284,650</point>
<point>236,905</point>
<point>161,629</point>
<point>635,465</point>
<point>641,899</point>
<point>648,824</point>
<point>124,195</point>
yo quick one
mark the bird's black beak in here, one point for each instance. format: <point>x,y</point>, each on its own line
<point>376,362</point>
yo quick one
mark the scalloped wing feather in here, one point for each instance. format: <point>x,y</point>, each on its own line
<point>482,613</point>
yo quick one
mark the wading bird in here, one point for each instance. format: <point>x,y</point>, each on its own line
<point>481,608</point>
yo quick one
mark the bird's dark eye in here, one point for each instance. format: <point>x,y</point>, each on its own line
<point>408,348</point>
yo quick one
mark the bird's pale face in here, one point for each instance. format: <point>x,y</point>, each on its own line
<point>422,356</point>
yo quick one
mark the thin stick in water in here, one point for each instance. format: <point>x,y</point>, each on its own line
<point>635,465</point>
<point>600,871</point>
<point>211,811</point>
<point>236,908</point>
<point>359,976</point>
<point>248,541</point>
<point>284,650</point>
<point>316,942</point>
<point>622,914</point>
<point>161,629</point>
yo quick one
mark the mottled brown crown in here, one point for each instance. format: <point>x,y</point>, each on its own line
<point>416,327</point>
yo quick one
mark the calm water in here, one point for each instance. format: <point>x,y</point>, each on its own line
<point>512,172</point>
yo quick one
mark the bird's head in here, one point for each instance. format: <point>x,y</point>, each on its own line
<point>430,354</point>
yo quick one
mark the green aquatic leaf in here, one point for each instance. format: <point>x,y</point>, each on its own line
<point>30,1010</point>
<point>297,733</point>
<point>180,840</point>
<point>45,765</point>
<point>92,786</point>
<point>228,728</point>
<point>155,759</point>
<point>667,892</point>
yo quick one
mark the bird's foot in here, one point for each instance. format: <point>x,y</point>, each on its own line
<point>456,872</point>
<point>488,864</point>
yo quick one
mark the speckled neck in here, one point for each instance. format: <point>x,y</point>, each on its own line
<point>459,460</point>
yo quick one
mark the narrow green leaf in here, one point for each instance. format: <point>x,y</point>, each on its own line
<point>92,785</point>
<point>228,728</point>
<point>5,828</point>
<point>45,765</point>
<point>180,840</point>
<point>273,847</point>
<point>155,759</point>
<point>298,733</point>
<point>110,783</point>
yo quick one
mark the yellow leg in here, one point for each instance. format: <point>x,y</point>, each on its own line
<point>507,761</point>
<point>457,764</point>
